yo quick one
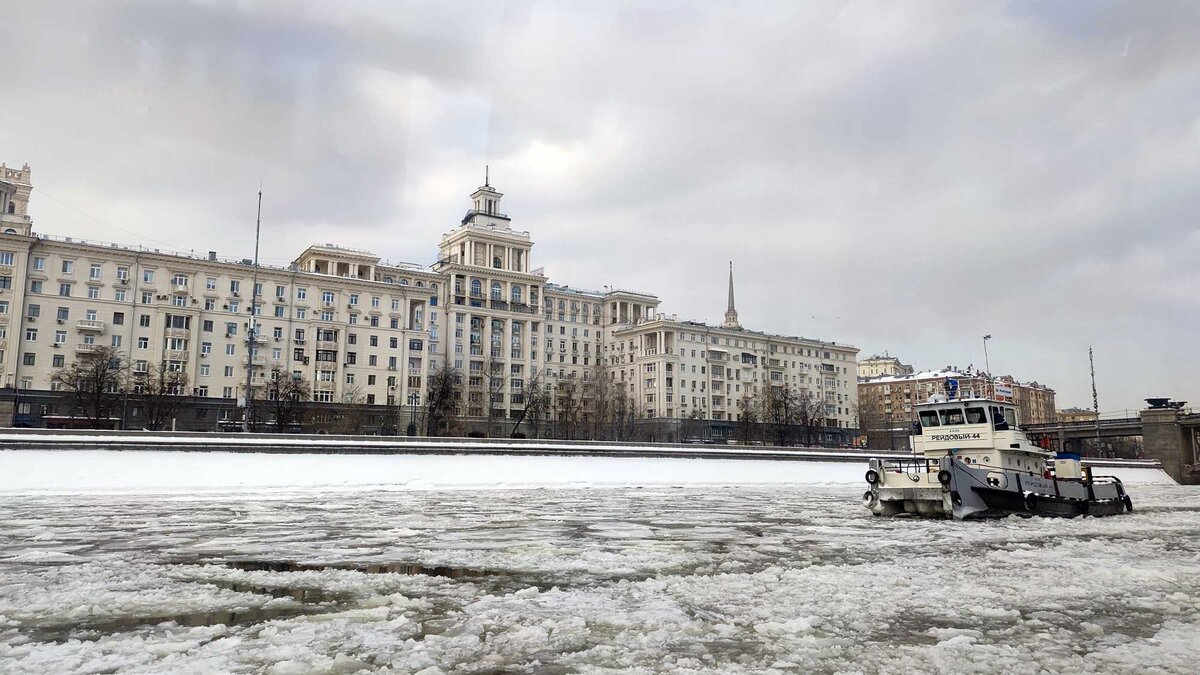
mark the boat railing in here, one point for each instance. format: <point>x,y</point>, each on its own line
<point>911,465</point>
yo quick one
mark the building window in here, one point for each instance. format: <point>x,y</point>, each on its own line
<point>148,276</point>
<point>39,264</point>
<point>64,290</point>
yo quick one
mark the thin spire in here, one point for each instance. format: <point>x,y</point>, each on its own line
<point>731,317</point>
<point>486,178</point>
<point>731,308</point>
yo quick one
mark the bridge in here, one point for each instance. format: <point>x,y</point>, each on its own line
<point>1169,434</point>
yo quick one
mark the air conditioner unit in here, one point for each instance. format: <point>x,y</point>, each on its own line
<point>161,297</point>
<point>62,320</point>
<point>225,307</point>
<point>122,281</point>
<point>306,360</point>
<point>278,339</point>
<point>203,355</point>
<point>31,318</point>
<point>229,335</point>
<point>56,345</point>
<point>236,294</point>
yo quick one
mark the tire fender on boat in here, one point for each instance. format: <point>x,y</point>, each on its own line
<point>1031,502</point>
<point>944,476</point>
<point>868,499</point>
<point>1128,503</point>
<point>872,476</point>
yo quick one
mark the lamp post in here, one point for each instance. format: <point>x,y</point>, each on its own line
<point>251,332</point>
<point>986,365</point>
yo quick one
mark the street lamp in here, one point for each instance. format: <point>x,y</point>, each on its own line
<point>986,365</point>
<point>252,328</point>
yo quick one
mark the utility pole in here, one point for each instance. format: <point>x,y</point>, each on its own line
<point>986,365</point>
<point>1095,399</point>
<point>251,330</point>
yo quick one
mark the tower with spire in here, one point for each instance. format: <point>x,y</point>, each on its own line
<point>731,319</point>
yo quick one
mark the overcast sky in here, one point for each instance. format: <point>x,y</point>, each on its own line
<point>900,176</point>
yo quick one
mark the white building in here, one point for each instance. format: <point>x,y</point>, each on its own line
<point>364,330</point>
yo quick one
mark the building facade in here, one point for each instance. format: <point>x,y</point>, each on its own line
<point>888,402</point>
<point>877,366</point>
<point>369,332</point>
<point>1076,415</point>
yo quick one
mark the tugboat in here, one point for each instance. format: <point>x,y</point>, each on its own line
<point>972,460</point>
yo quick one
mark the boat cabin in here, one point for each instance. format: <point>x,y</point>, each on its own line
<point>979,430</point>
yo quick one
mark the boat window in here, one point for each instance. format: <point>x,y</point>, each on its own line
<point>1010,416</point>
<point>952,416</point>
<point>998,418</point>
<point>929,418</point>
<point>976,416</point>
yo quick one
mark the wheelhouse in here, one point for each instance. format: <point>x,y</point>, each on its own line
<point>950,416</point>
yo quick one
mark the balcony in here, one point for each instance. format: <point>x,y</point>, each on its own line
<point>176,355</point>
<point>90,325</point>
<point>178,333</point>
<point>257,362</point>
<point>179,289</point>
<point>326,344</point>
<point>326,365</point>
<point>86,347</point>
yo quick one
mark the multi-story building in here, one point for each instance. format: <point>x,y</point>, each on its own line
<point>1076,415</point>
<point>887,402</point>
<point>365,331</point>
<point>877,366</point>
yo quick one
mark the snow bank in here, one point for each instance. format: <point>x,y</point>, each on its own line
<point>24,471</point>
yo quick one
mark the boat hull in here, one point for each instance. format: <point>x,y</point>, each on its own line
<point>968,492</point>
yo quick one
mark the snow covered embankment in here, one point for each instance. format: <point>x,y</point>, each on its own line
<point>71,471</point>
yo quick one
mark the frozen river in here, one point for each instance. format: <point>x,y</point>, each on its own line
<point>747,579</point>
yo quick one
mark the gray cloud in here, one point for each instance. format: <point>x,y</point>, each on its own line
<point>900,176</point>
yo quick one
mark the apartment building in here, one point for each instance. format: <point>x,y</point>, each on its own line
<point>876,366</point>
<point>888,401</point>
<point>368,331</point>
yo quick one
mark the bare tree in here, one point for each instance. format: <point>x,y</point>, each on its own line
<point>872,422</point>
<point>568,401</point>
<point>161,391</point>
<point>747,421</point>
<point>624,413</point>
<point>810,414</point>
<point>286,394</point>
<point>693,427</point>
<point>353,414</point>
<point>495,378</point>
<point>443,393</point>
<point>535,403</point>
<point>780,412</point>
<point>95,381</point>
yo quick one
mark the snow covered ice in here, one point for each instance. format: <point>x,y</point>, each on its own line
<point>681,578</point>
